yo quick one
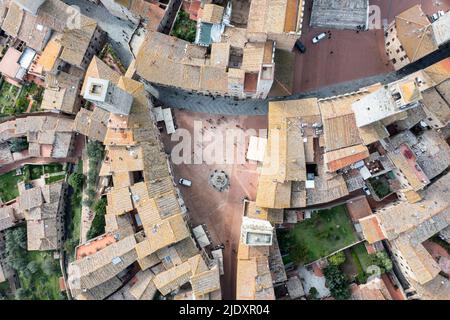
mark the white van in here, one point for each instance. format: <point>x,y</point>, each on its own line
<point>185,182</point>
<point>319,37</point>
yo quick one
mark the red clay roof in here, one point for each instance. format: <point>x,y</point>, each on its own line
<point>371,229</point>
<point>358,208</point>
<point>94,246</point>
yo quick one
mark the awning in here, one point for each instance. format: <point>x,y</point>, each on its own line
<point>256,148</point>
<point>168,120</point>
<point>200,236</point>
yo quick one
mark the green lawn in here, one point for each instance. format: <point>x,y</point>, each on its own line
<point>53,168</point>
<point>42,286</point>
<point>56,178</point>
<point>326,232</point>
<point>8,181</point>
<point>14,100</point>
<point>8,94</point>
<point>184,28</point>
<point>364,258</point>
<point>36,171</point>
<point>8,186</point>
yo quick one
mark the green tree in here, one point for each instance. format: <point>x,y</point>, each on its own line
<point>22,294</point>
<point>98,224</point>
<point>299,253</point>
<point>18,236</point>
<point>21,104</point>
<point>337,259</point>
<point>76,181</point>
<point>48,266</point>
<point>69,246</point>
<point>18,144</point>
<point>95,150</point>
<point>92,178</point>
<point>91,192</point>
<point>337,282</point>
<point>26,174</point>
<point>33,267</point>
<point>383,261</point>
<point>100,206</point>
<point>15,248</point>
<point>313,294</point>
<point>184,28</point>
<point>88,202</point>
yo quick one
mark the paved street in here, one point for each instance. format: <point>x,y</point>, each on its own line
<point>119,31</point>
<point>176,98</point>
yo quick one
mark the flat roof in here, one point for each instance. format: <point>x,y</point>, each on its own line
<point>339,14</point>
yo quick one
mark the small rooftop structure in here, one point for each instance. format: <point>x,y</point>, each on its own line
<point>108,96</point>
<point>201,236</point>
<point>256,232</point>
<point>10,67</point>
<point>358,208</point>
<point>295,287</point>
<point>375,289</point>
<point>441,29</point>
<point>386,102</point>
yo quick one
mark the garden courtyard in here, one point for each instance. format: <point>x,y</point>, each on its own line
<point>8,181</point>
<point>324,233</point>
<point>15,100</point>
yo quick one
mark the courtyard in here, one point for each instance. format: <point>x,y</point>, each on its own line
<point>15,100</point>
<point>325,232</point>
<point>8,181</point>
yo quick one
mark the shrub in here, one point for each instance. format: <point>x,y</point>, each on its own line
<point>299,253</point>
<point>95,150</point>
<point>76,181</point>
<point>91,192</point>
<point>184,28</point>
<point>337,282</point>
<point>21,104</point>
<point>98,225</point>
<point>33,267</point>
<point>337,259</point>
<point>48,266</point>
<point>313,294</point>
<point>88,202</point>
<point>383,261</point>
<point>18,144</point>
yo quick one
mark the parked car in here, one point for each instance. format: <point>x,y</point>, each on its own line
<point>300,46</point>
<point>437,15</point>
<point>185,182</point>
<point>366,190</point>
<point>319,37</point>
